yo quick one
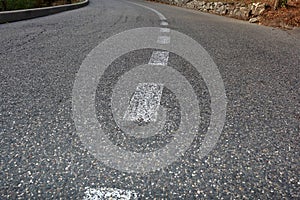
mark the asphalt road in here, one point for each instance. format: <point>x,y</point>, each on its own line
<point>46,154</point>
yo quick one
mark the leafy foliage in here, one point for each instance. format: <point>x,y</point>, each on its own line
<point>6,5</point>
<point>283,3</point>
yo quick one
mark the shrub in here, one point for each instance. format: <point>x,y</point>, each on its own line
<point>26,4</point>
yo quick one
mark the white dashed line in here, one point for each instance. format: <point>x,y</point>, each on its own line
<point>165,30</point>
<point>163,40</point>
<point>159,58</point>
<point>161,16</point>
<point>144,103</point>
<point>163,23</point>
<point>109,193</point>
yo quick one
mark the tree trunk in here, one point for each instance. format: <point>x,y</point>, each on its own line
<point>4,6</point>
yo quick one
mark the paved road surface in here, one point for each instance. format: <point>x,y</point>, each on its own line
<point>46,155</point>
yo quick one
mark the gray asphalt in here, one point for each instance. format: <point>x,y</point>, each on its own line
<point>42,156</point>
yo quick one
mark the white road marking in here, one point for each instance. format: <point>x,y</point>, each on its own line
<point>109,193</point>
<point>163,40</point>
<point>161,16</point>
<point>164,23</point>
<point>144,103</point>
<point>164,30</point>
<point>159,58</point>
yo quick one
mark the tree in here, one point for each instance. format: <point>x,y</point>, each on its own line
<point>4,4</point>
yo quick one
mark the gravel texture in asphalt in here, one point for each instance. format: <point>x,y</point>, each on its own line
<point>42,156</point>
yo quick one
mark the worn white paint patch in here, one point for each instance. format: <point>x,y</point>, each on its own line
<point>164,30</point>
<point>163,40</point>
<point>109,194</point>
<point>164,23</point>
<point>144,103</point>
<point>159,58</point>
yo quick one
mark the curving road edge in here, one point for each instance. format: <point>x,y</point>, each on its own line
<point>18,15</point>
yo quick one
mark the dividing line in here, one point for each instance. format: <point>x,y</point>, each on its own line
<point>143,107</point>
<point>164,30</point>
<point>163,23</point>
<point>161,16</point>
<point>109,193</point>
<point>144,103</point>
<point>159,58</point>
<point>163,40</point>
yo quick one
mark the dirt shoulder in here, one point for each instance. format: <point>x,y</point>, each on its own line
<point>286,16</point>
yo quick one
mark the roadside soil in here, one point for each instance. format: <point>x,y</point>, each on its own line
<point>286,17</point>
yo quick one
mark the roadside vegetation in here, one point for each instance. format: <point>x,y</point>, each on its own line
<point>275,4</point>
<point>278,13</point>
<point>6,5</point>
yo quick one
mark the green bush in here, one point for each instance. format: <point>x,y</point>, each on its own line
<point>283,3</point>
<point>26,4</point>
<point>17,4</point>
